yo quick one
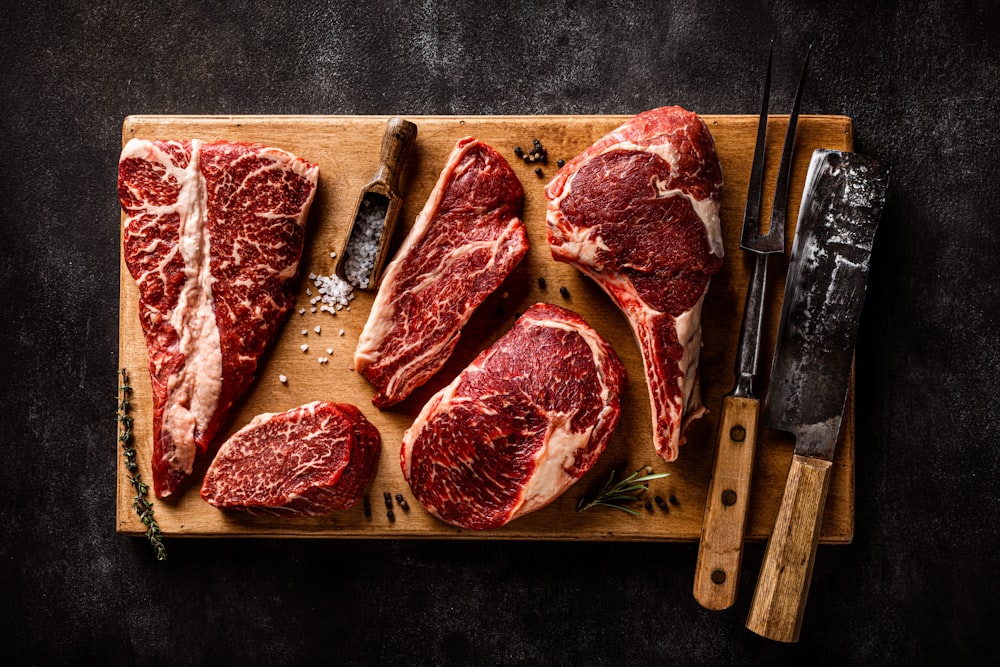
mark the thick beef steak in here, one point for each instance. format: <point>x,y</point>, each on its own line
<point>465,241</point>
<point>213,236</point>
<point>310,460</point>
<point>525,420</point>
<point>639,213</point>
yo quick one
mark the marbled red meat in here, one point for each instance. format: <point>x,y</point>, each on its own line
<point>213,235</point>
<point>526,419</point>
<point>311,460</point>
<point>639,213</point>
<point>463,244</point>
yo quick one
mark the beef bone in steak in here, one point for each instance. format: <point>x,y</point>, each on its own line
<point>213,237</point>
<point>463,244</point>
<point>526,419</point>
<point>639,213</point>
<point>310,460</point>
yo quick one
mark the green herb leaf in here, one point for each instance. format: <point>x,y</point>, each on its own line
<point>143,507</point>
<point>626,490</point>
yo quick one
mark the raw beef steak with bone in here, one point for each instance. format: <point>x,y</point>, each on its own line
<point>463,244</point>
<point>526,419</point>
<point>639,213</point>
<point>213,236</point>
<point>310,460</point>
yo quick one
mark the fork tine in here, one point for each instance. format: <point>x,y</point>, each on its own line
<point>776,229</point>
<point>755,191</point>
<point>774,240</point>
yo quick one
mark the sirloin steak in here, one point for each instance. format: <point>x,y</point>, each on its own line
<point>310,460</point>
<point>526,419</point>
<point>639,213</point>
<point>463,244</point>
<point>213,235</point>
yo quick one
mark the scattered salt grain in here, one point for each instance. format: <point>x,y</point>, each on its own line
<point>316,329</point>
<point>312,276</point>
<point>302,311</point>
<point>333,255</point>
<point>304,347</point>
<point>362,248</point>
<point>305,332</point>
<point>309,292</point>
<point>312,310</point>
<point>341,332</point>
<point>334,292</point>
<point>329,350</point>
<point>282,379</point>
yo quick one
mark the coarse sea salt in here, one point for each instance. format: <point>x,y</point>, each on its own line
<point>362,248</point>
<point>334,292</point>
<point>282,379</point>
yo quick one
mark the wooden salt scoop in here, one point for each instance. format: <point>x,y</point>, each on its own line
<point>380,194</point>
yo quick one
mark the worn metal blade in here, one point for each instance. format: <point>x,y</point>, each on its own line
<point>841,205</point>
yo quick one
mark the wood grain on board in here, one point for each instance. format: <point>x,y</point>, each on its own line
<point>346,149</point>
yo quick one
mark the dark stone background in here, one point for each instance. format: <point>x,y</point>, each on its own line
<point>918,585</point>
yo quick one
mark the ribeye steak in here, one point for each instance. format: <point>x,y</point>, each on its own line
<point>310,460</point>
<point>213,236</point>
<point>465,241</point>
<point>639,213</point>
<point>526,419</point>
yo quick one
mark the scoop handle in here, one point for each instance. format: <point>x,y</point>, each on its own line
<point>779,601</point>
<point>396,142</point>
<point>716,575</point>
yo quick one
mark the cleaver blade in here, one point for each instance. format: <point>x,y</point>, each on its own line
<point>842,202</point>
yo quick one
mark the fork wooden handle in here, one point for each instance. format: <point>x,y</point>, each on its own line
<point>717,571</point>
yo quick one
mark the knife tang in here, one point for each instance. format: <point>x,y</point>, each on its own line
<point>779,600</point>
<point>716,575</point>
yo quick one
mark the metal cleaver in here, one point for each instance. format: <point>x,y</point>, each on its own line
<point>842,202</point>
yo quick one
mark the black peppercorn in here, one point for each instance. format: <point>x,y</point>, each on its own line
<point>564,292</point>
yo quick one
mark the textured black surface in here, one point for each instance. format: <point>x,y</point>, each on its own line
<point>918,585</point>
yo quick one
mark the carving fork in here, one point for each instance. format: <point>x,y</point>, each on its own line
<point>721,549</point>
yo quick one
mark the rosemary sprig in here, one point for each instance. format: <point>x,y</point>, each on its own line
<point>142,506</point>
<point>627,490</point>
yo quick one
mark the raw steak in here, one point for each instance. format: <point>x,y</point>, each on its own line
<point>310,460</point>
<point>213,236</point>
<point>639,213</point>
<point>465,241</point>
<point>515,429</point>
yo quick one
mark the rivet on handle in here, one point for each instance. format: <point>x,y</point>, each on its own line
<point>728,497</point>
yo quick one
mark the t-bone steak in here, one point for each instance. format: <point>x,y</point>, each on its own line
<point>463,244</point>
<point>310,460</point>
<point>526,419</point>
<point>639,213</point>
<point>213,236</point>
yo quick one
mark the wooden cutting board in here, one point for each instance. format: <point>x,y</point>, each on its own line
<point>346,148</point>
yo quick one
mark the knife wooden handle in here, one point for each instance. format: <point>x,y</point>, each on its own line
<point>717,571</point>
<point>780,598</point>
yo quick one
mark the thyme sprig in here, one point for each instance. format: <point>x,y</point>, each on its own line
<point>627,490</point>
<point>142,506</point>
